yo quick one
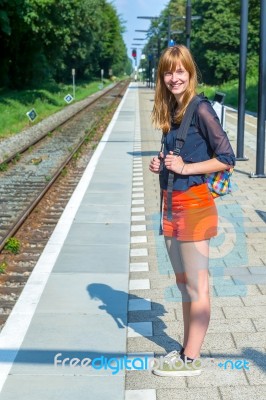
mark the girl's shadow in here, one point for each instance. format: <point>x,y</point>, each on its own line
<point>115,303</point>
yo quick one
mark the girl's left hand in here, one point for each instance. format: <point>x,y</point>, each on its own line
<point>174,163</point>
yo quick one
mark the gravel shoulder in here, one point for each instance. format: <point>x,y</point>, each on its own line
<point>9,147</point>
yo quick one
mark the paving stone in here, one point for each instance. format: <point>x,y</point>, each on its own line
<point>218,341</point>
<point>217,377</point>
<point>138,253</point>
<point>138,228</point>
<point>139,305</point>
<point>228,271</point>
<point>138,239</point>
<point>136,329</point>
<point>161,283</point>
<point>216,312</point>
<point>243,392</point>
<point>139,284</point>
<point>146,379</point>
<point>250,339</point>
<point>137,202</point>
<point>143,274</point>
<point>138,258</point>
<point>251,279</point>
<point>260,324</point>
<point>151,294</point>
<point>256,376</point>
<point>137,184</point>
<point>161,314</point>
<point>188,394</point>
<point>231,325</point>
<point>236,290</point>
<point>173,330</point>
<point>245,312</point>
<point>262,289</point>
<point>257,270</point>
<point>226,301</point>
<point>135,218</point>
<point>254,300</point>
<point>160,345</point>
<point>147,394</point>
<point>139,267</point>
<point>137,209</point>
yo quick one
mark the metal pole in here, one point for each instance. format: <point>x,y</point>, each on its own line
<point>74,88</point>
<point>188,23</point>
<point>260,153</point>
<point>242,81</point>
<point>149,73</point>
<point>169,30</point>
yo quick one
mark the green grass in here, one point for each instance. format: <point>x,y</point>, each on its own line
<point>231,91</point>
<point>50,98</point>
<point>45,101</point>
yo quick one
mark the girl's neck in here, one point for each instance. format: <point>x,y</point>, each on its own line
<point>179,99</point>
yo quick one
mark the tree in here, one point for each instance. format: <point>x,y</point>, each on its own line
<point>253,38</point>
<point>44,39</point>
<point>215,39</point>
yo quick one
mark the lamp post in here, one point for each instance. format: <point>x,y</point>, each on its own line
<point>188,19</point>
<point>242,81</point>
<point>188,23</point>
<point>260,152</point>
<point>150,57</point>
<point>170,17</point>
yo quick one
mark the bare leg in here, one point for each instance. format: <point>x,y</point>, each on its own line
<point>174,254</point>
<point>190,264</point>
<point>195,258</point>
<point>186,320</point>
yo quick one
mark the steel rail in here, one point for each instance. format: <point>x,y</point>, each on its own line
<point>22,218</point>
<point>35,141</point>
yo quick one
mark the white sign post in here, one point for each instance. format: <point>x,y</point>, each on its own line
<point>101,84</point>
<point>73,75</point>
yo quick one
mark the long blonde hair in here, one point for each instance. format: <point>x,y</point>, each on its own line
<point>165,101</point>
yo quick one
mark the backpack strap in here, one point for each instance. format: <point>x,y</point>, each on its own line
<point>180,140</point>
<point>161,190</point>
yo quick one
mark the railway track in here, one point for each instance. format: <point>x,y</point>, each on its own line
<point>26,180</point>
<point>34,207</point>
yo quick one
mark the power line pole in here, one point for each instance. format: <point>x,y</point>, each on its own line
<point>188,23</point>
<point>242,81</point>
<point>260,153</point>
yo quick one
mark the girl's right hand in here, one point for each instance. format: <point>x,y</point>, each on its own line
<point>155,164</point>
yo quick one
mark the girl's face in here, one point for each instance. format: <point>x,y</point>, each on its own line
<point>177,81</point>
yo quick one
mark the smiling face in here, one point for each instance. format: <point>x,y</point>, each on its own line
<point>176,76</point>
<point>177,81</point>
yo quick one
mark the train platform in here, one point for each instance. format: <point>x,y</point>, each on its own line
<point>102,302</point>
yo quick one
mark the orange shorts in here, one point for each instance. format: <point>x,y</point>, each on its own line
<point>194,214</point>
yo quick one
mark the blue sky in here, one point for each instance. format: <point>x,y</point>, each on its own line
<point>130,10</point>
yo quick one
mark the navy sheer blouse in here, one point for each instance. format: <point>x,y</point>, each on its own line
<point>204,138</point>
